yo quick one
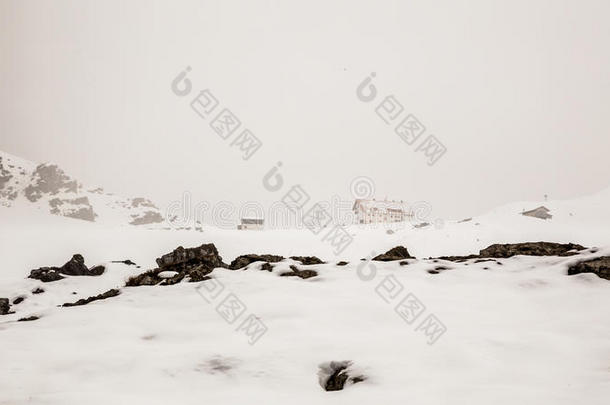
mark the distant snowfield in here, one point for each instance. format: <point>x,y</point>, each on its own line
<point>517,332</point>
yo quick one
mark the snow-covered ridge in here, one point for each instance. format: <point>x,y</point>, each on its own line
<point>46,187</point>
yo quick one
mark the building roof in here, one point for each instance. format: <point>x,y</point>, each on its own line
<point>381,205</point>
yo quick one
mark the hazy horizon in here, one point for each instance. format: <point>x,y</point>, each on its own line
<point>517,93</point>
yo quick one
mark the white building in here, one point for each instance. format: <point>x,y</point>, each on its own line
<point>374,211</point>
<point>251,224</point>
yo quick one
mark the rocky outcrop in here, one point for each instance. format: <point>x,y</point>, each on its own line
<point>299,273</point>
<point>599,266</point>
<point>28,318</point>
<point>244,260</point>
<point>397,253</point>
<point>526,248</point>
<point>84,301</point>
<point>342,263</point>
<point>146,218</point>
<point>50,180</point>
<point>307,260</point>
<point>194,263</point>
<point>531,249</point>
<point>5,306</point>
<point>74,267</point>
<point>77,208</point>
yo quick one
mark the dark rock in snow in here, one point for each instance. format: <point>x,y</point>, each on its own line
<point>267,266</point>
<point>397,253</point>
<point>46,274</point>
<point>458,259</point>
<point>37,290</point>
<point>599,266</point>
<point>181,258</point>
<point>97,270</point>
<point>531,249</point>
<point>127,262</point>
<point>342,263</point>
<point>299,273</point>
<point>244,260</point>
<point>5,307</point>
<point>147,278</point>
<point>307,260</point>
<point>18,300</point>
<point>334,375</point>
<point>75,266</point>
<point>194,263</point>
<point>28,318</point>
<point>110,293</point>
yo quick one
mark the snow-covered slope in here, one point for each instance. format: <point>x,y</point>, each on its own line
<point>47,188</point>
<point>517,330</point>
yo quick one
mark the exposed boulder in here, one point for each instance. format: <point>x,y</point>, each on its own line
<point>149,277</point>
<point>37,290</point>
<point>194,263</point>
<point>74,267</point>
<point>299,273</point>
<point>307,260</point>
<point>396,253</point>
<point>599,266</point>
<point>5,306</point>
<point>334,375</point>
<point>97,270</point>
<point>46,274</point>
<point>181,259</point>
<point>84,301</point>
<point>342,263</point>
<point>531,249</point>
<point>18,300</point>
<point>244,260</point>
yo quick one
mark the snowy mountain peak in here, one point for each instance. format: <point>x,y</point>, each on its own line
<point>47,187</point>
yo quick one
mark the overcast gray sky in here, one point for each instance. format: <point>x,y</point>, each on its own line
<point>517,91</point>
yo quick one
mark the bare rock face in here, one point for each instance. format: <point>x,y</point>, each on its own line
<point>531,249</point>
<point>49,179</point>
<point>78,208</point>
<point>142,202</point>
<point>5,306</point>
<point>74,267</point>
<point>146,218</point>
<point>397,253</point>
<point>599,266</point>
<point>244,260</point>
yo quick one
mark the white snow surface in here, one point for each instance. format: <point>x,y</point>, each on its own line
<point>518,330</point>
